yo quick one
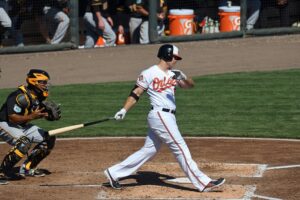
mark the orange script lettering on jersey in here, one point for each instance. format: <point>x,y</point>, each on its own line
<point>161,85</point>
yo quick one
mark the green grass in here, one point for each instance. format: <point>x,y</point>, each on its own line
<point>256,104</point>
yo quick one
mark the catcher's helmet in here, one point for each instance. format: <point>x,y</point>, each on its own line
<point>167,52</point>
<point>37,80</point>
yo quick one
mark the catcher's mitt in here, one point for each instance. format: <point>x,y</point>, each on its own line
<point>52,109</point>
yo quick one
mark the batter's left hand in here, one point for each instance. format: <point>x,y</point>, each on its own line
<point>179,75</point>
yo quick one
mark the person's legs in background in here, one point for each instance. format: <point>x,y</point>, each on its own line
<point>5,22</point>
<point>253,10</point>
<point>134,29</point>
<point>91,35</point>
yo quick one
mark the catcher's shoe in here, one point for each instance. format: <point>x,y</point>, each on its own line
<point>12,176</point>
<point>114,184</point>
<point>31,172</point>
<point>3,180</point>
<point>214,184</point>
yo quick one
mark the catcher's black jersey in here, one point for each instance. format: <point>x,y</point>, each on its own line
<point>18,102</point>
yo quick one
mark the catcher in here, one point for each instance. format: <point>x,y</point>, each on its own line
<point>25,104</point>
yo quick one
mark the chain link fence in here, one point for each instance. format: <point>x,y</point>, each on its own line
<point>34,25</point>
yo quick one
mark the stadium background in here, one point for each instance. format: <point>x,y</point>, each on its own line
<point>74,173</point>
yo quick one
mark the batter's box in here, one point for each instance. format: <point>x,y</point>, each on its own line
<point>167,181</point>
<point>154,192</point>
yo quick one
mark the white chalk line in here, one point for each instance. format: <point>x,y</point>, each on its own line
<point>265,197</point>
<point>102,195</point>
<point>260,170</point>
<point>250,193</point>
<point>283,167</point>
<point>250,189</point>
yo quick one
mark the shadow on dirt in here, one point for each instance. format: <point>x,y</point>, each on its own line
<point>150,178</point>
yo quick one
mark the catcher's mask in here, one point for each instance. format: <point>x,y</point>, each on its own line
<point>167,52</point>
<point>37,80</point>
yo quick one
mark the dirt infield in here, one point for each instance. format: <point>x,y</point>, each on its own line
<point>77,171</point>
<point>254,169</point>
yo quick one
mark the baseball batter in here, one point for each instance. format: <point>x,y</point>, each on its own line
<point>160,81</point>
<point>23,105</point>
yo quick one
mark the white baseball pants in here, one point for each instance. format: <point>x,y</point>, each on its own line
<point>162,129</point>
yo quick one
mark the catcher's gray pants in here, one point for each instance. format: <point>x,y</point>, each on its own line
<point>93,32</point>
<point>58,23</point>
<point>139,30</point>
<point>11,133</point>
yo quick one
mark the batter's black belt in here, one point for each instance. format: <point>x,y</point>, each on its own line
<point>166,110</point>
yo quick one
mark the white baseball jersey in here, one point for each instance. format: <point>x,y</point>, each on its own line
<point>163,128</point>
<point>160,87</point>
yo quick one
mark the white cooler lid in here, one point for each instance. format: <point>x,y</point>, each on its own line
<point>230,9</point>
<point>181,12</point>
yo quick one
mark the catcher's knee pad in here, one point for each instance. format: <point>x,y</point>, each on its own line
<point>20,149</point>
<point>22,146</point>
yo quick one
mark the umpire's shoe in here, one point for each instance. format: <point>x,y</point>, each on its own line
<point>214,184</point>
<point>114,184</point>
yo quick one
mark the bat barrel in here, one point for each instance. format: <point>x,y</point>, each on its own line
<point>65,129</point>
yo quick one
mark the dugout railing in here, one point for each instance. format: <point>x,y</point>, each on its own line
<point>267,24</point>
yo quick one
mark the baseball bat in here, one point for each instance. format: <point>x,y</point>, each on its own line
<point>77,126</point>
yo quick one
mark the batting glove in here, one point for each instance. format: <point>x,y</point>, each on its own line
<point>120,114</point>
<point>179,75</point>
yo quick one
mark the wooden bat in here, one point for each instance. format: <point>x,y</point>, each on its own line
<point>77,126</point>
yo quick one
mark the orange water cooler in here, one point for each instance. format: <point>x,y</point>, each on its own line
<point>230,19</point>
<point>181,22</point>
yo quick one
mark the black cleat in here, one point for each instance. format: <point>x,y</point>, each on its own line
<point>12,176</point>
<point>114,184</point>
<point>3,180</point>
<point>214,184</point>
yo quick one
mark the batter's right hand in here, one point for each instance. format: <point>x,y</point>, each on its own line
<point>120,114</point>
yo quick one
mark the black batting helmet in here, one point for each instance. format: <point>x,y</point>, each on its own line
<point>167,52</point>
